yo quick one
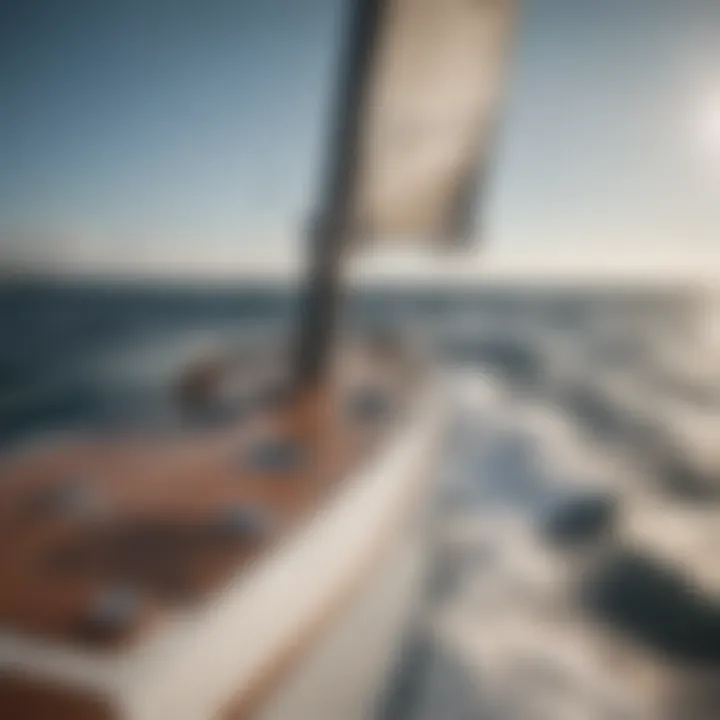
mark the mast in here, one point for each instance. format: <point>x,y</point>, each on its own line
<point>329,235</point>
<point>411,141</point>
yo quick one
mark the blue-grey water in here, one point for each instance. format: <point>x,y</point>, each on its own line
<point>578,523</point>
<point>79,355</point>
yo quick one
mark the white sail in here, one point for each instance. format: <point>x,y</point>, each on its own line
<point>428,117</point>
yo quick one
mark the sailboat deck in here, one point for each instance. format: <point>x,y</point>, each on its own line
<point>104,536</point>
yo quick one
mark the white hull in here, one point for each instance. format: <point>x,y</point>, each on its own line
<point>347,671</point>
<point>311,632</point>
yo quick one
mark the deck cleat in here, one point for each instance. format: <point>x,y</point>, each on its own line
<point>370,404</point>
<point>242,522</point>
<point>112,614</point>
<point>72,500</point>
<point>277,457</point>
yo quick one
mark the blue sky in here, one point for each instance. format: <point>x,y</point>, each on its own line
<point>191,131</point>
<point>608,138</point>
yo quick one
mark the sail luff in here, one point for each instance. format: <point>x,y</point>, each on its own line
<point>431,116</point>
<point>415,117</point>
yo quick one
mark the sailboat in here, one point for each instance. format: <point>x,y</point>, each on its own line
<point>267,568</point>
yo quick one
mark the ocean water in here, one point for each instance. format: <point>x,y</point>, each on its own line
<point>606,394</point>
<point>95,356</point>
<point>574,569</point>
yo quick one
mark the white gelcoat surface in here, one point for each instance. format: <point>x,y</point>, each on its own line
<point>203,659</point>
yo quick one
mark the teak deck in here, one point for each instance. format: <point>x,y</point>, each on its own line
<point>104,536</point>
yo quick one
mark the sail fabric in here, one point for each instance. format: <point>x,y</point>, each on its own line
<point>430,110</point>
